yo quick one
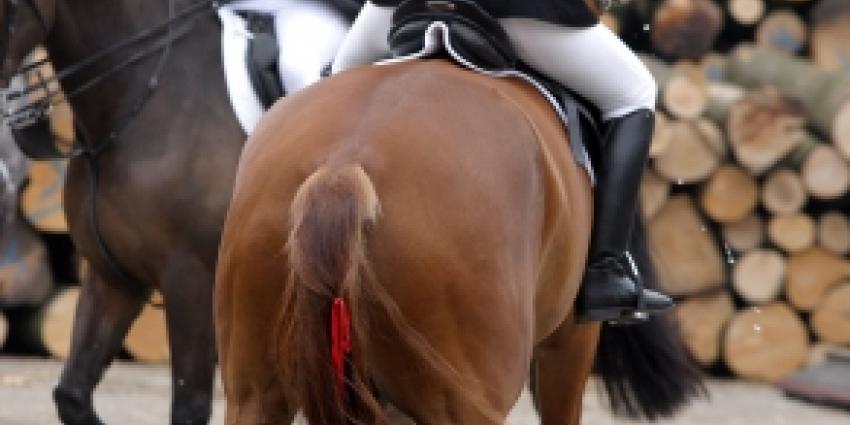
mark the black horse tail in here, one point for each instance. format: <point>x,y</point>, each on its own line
<point>645,369</point>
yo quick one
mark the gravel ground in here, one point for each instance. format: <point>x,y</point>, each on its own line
<point>132,394</point>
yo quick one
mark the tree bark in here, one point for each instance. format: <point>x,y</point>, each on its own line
<point>824,95</point>
<point>686,254</point>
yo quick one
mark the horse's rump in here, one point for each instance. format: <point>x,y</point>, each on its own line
<point>482,239</point>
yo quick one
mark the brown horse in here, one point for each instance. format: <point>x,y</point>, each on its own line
<point>146,197</point>
<point>445,210</point>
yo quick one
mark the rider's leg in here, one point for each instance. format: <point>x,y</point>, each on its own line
<point>308,34</point>
<point>366,41</point>
<point>600,67</point>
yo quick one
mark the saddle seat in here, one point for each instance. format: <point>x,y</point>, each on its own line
<point>481,41</point>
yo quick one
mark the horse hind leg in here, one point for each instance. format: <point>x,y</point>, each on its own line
<point>105,311</point>
<point>560,369</point>
<point>187,291</point>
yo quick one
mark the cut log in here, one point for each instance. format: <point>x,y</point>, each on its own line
<point>792,232</point>
<point>758,276</point>
<point>782,30</point>
<point>834,232</point>
<point>721,97</point>
<point>701,321</point>
<point>746,12</point>
<point>764,127</point>
<point>686,28</point>
<point>825,173</point>
<point>729,195</point>
<point>830,20</point>
<point>681,95</point>
<point>825,95</point>
<point>53,324</point>
<point>147,340</point>
<point>783,192</point>
<point>25,274</point>
<point>744,235</point>
<point>692,156</point>
<point>811,274</point>
<point>831,319</point>
<point>41,200</point>
<point>654,192</point>
<point>685,252</point>
<point>765,343</point>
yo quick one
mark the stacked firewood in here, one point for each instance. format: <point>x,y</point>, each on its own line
<point>747,195</point>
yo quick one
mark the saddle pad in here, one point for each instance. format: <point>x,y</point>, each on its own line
<point>438,39</point>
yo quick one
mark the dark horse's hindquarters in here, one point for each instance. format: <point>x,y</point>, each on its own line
<point>159,189</point>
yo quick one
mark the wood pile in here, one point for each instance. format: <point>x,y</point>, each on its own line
<point>747,194</point>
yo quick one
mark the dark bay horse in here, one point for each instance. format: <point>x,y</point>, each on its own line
<point>439,212</point>
<point>146,199</point>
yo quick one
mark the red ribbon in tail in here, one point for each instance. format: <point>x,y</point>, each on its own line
<point>340,340</point>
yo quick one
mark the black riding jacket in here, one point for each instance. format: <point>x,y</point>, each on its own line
<point>573,13</point>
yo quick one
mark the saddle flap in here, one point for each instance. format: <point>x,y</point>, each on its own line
<point>475,34</point>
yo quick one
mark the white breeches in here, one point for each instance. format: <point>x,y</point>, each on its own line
<point>592,61</point>
<point>308,35</point>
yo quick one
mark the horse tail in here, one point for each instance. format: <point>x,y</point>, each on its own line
<point>645,369</point>
<point>327,255</point>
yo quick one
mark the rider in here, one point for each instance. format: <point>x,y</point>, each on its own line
<point>564,40</point>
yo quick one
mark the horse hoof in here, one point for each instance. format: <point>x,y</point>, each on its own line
<point>74,408</point>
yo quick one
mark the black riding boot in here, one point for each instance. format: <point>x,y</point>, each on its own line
<point>611,291</point>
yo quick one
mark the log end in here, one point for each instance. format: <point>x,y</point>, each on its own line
<point>766,343</point>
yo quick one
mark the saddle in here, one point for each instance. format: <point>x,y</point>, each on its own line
<point>483,44</point>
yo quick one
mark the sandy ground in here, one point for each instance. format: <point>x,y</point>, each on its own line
<point>132,394</point>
